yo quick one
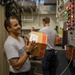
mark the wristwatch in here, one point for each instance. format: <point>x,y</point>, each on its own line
<point>28,53</point>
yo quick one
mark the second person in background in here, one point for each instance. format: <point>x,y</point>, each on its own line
<point>49,60</point>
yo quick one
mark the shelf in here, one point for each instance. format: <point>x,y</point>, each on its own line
<point>60,13</point>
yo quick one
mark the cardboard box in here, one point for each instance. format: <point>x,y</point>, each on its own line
<point>41,42</point>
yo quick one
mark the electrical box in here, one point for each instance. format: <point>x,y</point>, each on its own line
<point>70,52</point>
<point>70,27</point>
<point>71,22</point>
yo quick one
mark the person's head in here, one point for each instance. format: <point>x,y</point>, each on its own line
<point>32,28</point>
<point>12,26</point>
<point>46,21</point>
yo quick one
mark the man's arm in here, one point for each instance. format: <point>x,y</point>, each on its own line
<point>18,62</point>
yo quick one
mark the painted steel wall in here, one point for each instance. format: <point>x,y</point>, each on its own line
<point>3,35</point>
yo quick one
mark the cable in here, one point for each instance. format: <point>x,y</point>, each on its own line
<point>68,63</point>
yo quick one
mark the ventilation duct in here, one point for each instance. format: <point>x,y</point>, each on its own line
<point>49,2</point>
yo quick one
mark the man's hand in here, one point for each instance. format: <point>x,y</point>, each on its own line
<point>31,46</point>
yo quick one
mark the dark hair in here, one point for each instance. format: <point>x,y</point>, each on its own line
<point>7,22</point>
<point>46,19</point>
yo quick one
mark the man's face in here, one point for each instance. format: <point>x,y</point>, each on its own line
<point>15,27</point>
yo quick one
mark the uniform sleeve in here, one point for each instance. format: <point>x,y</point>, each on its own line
<point>11,52</point>
<point>41,30</point>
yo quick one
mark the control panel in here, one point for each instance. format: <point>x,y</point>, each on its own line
<point>70,24</point>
